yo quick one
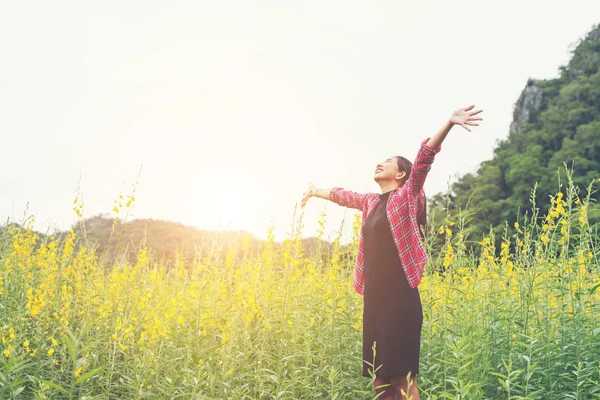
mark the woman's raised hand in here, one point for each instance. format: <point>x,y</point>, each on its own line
<point>308,194</point>
<point>465,117</point>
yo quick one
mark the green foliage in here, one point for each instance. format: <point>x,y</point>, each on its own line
<point>563,131</point>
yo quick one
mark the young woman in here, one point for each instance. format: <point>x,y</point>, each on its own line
<point>390,261</point>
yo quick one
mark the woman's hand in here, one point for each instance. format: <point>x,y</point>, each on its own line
<point>465,117</point>
<point>308,194</point>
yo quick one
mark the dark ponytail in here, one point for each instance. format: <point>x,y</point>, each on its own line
<point>406,166</point>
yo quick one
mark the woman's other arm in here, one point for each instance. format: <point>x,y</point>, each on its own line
<point>346,198</point>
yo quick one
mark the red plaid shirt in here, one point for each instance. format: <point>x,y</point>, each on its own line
<point>403,206</point>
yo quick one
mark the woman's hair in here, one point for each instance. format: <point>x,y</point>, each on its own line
<point>406,166</point>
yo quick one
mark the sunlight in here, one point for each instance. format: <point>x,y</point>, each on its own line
<point>226,211</point>
<point>230,207</point>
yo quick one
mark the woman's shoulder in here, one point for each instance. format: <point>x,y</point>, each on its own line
<point>400,195</point>
<point>371,197</point>
<point>401,191</point>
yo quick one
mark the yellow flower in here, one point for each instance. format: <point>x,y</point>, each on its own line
<point>77,372</point>
<point>51,351</point>
<point>517,225</point>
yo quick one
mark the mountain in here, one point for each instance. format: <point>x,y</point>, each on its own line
<point>555,122</point>
<point>165,241</point>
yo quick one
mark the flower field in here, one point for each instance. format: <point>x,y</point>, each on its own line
<point>516,322</point>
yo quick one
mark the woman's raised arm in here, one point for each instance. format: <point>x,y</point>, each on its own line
<point>464,117</point>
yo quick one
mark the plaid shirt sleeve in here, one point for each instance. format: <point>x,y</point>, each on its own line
<point>348,198</point>
<point>421,167</point>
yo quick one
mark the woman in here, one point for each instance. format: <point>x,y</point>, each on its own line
<point>390,261</point>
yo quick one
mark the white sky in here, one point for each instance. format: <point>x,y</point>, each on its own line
<point>233,107</point>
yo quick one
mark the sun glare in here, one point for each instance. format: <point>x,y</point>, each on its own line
<point>229,208</point>
<point>226,212</point>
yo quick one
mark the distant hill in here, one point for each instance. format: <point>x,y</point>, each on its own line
<point>166,240</point>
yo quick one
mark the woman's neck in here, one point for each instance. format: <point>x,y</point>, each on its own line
<point>388,187</point>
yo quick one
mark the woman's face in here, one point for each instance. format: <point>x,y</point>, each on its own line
<point>388,171</point>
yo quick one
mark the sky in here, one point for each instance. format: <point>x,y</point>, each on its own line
<point>222,112</point>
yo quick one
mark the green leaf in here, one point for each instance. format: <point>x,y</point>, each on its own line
<point>54,386</point>
<point>88,375</point>
<point>80,361</point>
<point>70,343</point>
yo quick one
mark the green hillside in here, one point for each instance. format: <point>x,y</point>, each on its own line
<point>556,122</point>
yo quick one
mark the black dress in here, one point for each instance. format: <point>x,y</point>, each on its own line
<point>392,314</point>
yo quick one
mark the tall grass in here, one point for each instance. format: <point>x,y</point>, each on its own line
<point>519,322</point>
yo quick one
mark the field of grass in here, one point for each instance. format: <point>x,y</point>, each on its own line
<point>518,322</point>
